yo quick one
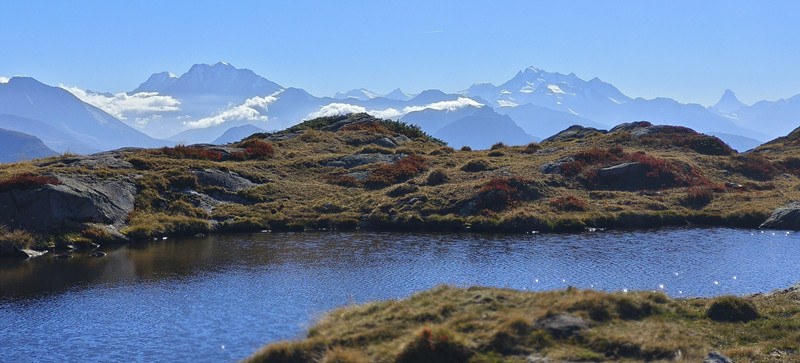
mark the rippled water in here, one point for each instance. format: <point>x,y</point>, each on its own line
<point>220,298</point>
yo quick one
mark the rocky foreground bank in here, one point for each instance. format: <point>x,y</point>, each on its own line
<point>478,324</point>
<point>359,172</point>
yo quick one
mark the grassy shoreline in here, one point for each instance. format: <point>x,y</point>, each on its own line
<point>480,324</point>
<point>357,172</point>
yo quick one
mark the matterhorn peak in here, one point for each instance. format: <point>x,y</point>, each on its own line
<point>728,103</point>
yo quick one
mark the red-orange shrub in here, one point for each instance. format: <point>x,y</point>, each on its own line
<point>187,152</point>
<point>753,166</point>
<point>396,172</point>
<point>343,180</point>
<point>26,181</point>
<point>659,173</point>
<point>568,203</point>
<point>500,193</point>
<point>253,149</point>
<point>698,196</point>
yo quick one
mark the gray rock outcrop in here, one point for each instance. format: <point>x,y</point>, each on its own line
<point>563,325</point>
<point>785,217</point>
<point>109,159</point>
<point>75,201</point>
<point>717,357</point>
<point>352,161</point>
<point>625,176</point>
<point>228,180</point>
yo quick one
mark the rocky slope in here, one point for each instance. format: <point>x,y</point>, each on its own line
<point>356,171</point>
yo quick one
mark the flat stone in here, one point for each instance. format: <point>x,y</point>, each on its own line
<point>228,180</point>
<point>563,325</point>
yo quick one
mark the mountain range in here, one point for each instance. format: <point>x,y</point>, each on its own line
<point>204,103</point>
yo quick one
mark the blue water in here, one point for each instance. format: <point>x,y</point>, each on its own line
<point>220,298</point>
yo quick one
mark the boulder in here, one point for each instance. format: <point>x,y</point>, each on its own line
<point>717,357</point>
<point>75,201</point>
<point>385,142</point>
<point>228,180</point>
<point>562,325</point>
<point>555,166</point>
<point>109,159</point>
<point>352,161</point>
<point>625,176</point>
<point>791,289</point>
<point>84,245</point>
<point>98,254</point>
<point>785,217</point>
<point>359,175</point>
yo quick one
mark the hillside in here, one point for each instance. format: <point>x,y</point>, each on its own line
<point>356,171</point>
<point>17,146</point>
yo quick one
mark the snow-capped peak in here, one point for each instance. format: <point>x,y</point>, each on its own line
<point>398,94</point>
<point>219,78</point>
<point>359,94</point>
<point>728,103</point>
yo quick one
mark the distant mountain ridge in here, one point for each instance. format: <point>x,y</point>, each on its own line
<point>200,105</point>
<point>63,113</point>
<point>18,146</point>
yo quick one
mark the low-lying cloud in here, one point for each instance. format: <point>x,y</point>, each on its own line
<point>122,105</point>
<point>334,109</point>
<point>4,79</point>
<point>253,109</point>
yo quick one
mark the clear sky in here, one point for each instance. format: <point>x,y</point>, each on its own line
<point>687,50</point>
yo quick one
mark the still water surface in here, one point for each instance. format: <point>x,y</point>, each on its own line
<point>220,298</point>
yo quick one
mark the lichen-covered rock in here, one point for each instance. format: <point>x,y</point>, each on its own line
<point>785,217</point>
<point>75,201</point>
<point>563,325</point>
<point>352,161</point>
<point>228,180</point>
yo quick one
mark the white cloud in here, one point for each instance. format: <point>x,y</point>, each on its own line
<point>334,109</point>
<point>252,109</point>
<point>449,106</point>
<point>4,80</point>
<point>121,105</point>
<point>504,103</point>
<point>141,122</point>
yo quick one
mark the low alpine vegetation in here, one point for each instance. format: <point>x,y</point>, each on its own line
<point>191,152</point>
<point>26,181</point>
<point>400,170</point>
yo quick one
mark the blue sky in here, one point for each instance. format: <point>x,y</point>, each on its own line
<point>687,50</point>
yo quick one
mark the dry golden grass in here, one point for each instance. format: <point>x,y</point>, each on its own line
<point>490,324</point>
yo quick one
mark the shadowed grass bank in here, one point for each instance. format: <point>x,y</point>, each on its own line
<point>479,324</point>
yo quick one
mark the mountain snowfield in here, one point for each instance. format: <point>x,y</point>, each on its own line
<point>200,105</point>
